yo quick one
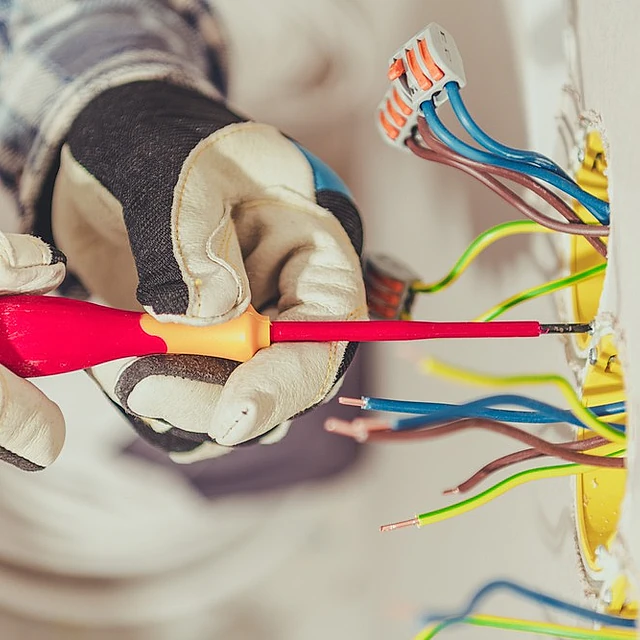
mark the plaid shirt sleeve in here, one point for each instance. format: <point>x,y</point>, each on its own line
<point>57,55</point>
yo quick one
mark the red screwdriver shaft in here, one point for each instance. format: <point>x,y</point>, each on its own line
<point>392,330</point>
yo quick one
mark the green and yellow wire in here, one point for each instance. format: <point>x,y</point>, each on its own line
<point>541,290</point>
<point>532,626</point>
<point>516,480</point>
<point>484,240</point>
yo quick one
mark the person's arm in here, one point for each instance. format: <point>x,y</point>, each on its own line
<point>166,198</point>
<point>57,56</point>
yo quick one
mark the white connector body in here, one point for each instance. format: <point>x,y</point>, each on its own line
<point>418,72</point>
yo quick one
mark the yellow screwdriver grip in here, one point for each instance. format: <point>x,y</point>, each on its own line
<point>239,339</point>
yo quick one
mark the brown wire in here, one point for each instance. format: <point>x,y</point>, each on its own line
<point>540,445</point>
<point>511,197</point>
<point>575,228</point>
<point>442,154</point>
<point>522,456</point>
<point>434,143</point>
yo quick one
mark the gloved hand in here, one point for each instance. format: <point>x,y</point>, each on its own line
<point>31,426</point>
<point>167,199</point>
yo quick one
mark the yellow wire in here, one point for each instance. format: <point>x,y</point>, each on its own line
<point>591,421</point>
<point>529,626</point>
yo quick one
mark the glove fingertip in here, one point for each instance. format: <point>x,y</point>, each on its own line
<point>33,427</point>
<point>239,419</point>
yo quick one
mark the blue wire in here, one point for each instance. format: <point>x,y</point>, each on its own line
<point>482,138</point>
<point>599,208</point>
<point>536,596</point>
<point>541,413</point>
<point>538,412</point>
<point>435,418</point>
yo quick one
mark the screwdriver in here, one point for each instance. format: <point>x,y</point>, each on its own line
<point>47,335</point>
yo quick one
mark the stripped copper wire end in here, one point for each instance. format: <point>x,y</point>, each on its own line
<point>358,429</point>
<point>413,522</point>
<point>346,428</point>
<point>351,402</point>
<point>451,492</point>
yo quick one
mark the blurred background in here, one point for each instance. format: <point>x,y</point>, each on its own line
<point>107,544</point>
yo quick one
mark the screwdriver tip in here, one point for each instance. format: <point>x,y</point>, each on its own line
<point>566,327</point>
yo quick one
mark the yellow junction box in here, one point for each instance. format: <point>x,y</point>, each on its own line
<point>599,493</point>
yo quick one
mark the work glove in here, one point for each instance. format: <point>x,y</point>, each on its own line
<point>31,426</point>
<point>168,200</point>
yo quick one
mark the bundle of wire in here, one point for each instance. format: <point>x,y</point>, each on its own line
<point>536,411</point>
<point>491,163</point>
<point>611,627</point>
<point>496,158</point>
<point>445,148</point>
<point>434,142</point>
<point>437,420</point>
<point>436,151</point>
<point>485,240</point>
<point>438,144</point>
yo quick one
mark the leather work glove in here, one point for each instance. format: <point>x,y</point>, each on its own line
<point>168,200</point>
<point>31,426</point>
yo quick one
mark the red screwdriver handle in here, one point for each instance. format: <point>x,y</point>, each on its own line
<point>45,335</point>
